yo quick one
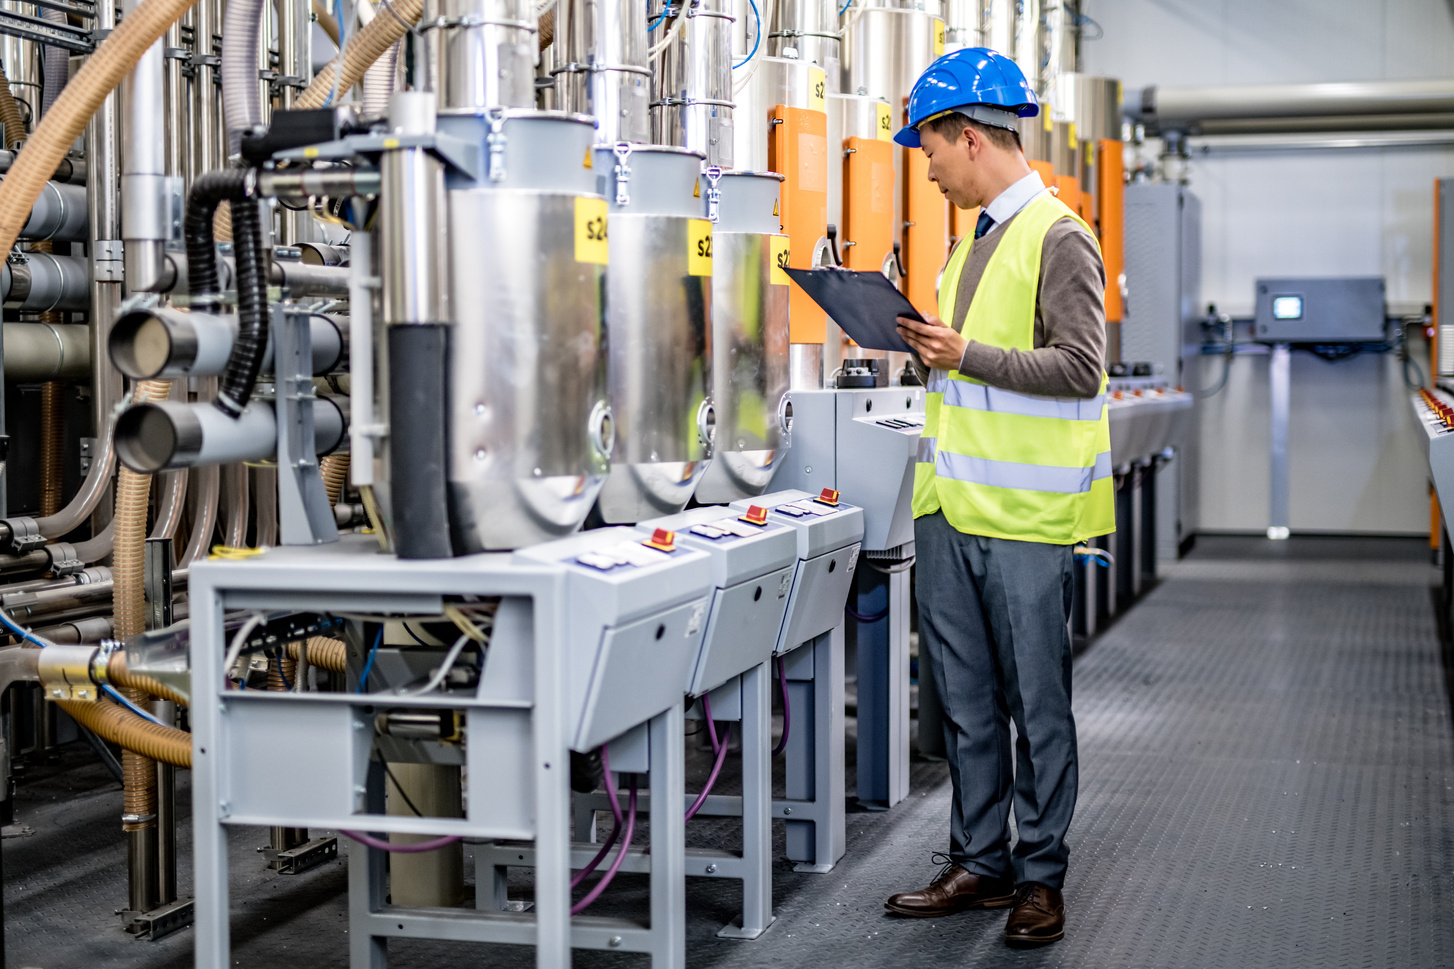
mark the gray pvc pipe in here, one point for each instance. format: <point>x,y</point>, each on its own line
<point>241,106</point>
<point>160,342</point>
<point>1183,108</point>
<point>59,213</point>
<point>46,351</point>
<point>45,282</point>
<point>166,434</point>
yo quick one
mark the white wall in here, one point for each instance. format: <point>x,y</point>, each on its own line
<point>1349,212</point>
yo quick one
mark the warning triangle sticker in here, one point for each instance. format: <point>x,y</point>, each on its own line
<point>774,207</point>
<point>587,162</point>
<point>697,190</point>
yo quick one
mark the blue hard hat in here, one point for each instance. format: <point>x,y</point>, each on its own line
<point>976,81</point>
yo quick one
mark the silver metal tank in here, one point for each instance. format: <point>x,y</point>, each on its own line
<point>480,53</point>
<point>693,102</point>
<point>605,72</point>
<point>806,30</point>
<point>964,22</point>
<point>748,350</point>
<point>658,294</point>
<point>530,429</point>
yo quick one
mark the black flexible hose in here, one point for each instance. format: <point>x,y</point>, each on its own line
<point>235,388</point>
<point>208,191</point>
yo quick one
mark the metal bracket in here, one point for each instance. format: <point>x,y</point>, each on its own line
<point>496,140</point>
<point>161,921</point>
<point>622,151</point>
<point>305,516</point>
<point>310,854</point>
<point>714,194</point>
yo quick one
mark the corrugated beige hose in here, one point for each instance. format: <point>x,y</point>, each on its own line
<point>10,115</point>
<point>120,726</point>
<point>116,672</point>
<point>128,608</point>
<point>67,118</point>
<point>335,473</point>
<point>364,47</point>
<point>326,21</point>
<point>330,654</point>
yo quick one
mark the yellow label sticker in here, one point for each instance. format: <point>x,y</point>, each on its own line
<point>587,163</point>
<point>938,37</point>
<point>780,255</point>
<point>310,152</point>
<point>696,190</point>
<point>817,89</point>
<point>591,244</point>
<point>885,123</point>
<point>1045,116</point>
<point>1073,143</point>
<point>391,142</point>
<point>699,247</point>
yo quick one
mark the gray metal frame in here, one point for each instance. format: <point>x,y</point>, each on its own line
<point>328,781</point>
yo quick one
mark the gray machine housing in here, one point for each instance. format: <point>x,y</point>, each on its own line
<point>1329,309</point>
<point>752,574</point>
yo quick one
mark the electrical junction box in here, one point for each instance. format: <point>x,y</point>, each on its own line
<point>1327,309</point>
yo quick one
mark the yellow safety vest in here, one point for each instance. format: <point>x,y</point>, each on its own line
<point>1002,464</point>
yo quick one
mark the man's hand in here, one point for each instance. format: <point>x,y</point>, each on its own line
<point>937,344</point>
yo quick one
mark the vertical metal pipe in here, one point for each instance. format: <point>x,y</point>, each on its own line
<point>174,83</point>
<point>412,258</point>
<point>144,203</point>
<point>606,74</point>
<point>205,118</point>
<point>104,253</point>
<point>998,25</point>
<point>1029,39</point>
<point>294,72</point>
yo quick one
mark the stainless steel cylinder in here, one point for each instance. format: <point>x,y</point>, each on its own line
<point>480,53</point>
<point>529,428</point>
<point>40,282</point>
<point>997,25</point>
<point>46,351</point>
<point>748,351</point>
<point>167,434</point>
<point>1093,103</point>
<point>412,260</point>
<point>694,103</point>
<point>806,30</point>
<point>659,291</point>
<point>885,50</point>
<point>964,24</point>
<point>145,201</point>
<point>605,72</point>
<point>59,213</point>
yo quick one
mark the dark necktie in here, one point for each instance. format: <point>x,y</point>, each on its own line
<point>983,225</point>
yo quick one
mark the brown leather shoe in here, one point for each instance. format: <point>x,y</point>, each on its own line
<point>1038,917</point>
<point>954,889</point>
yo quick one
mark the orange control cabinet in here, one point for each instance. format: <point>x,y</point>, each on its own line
<point>1068,189</point>
<point>1111,199</point>
<point>798,151</point>
<point>926,233</point>
<point>868,203</point>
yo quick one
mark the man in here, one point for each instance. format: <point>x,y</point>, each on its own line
<point>1014,470</point>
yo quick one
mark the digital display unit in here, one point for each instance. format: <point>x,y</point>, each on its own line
<point>1287,307</point>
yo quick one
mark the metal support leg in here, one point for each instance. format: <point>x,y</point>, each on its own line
<point>367,889</point>
<point>209,838</point>
<point>1279,378</point>
<point>816,778</point>
<point>883,688</point>
<point>668,843</point>
<point>756,807</point>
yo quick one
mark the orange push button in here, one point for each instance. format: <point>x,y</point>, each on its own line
<point>662,540</point>
<point>756,515</point>
<point>828,497</point>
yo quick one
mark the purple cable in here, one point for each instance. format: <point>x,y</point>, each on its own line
<point>414,849</point>
<point>782,682</point>
<point>864,618</point>
<point>595,863</point>
<point>711,727</point>
<point>600,886</point>
<point>716,769</point>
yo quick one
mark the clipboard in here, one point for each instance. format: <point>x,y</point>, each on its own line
<point>864,304</point>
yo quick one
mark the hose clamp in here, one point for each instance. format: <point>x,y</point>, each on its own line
<point>64,559</point>
<point>138,818</point>
<point>496,141</point>
<point>714,194</point>
<point>622,152</point>
<point>24,535</point>
<point>66,672</point>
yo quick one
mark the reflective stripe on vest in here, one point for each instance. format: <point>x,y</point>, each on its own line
<point>1025,477</point>
<point>1005,464</point>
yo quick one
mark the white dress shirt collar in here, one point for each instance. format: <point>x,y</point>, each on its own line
<point>1014,198</point>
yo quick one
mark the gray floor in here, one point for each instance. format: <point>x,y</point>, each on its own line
<point>1268,780</point>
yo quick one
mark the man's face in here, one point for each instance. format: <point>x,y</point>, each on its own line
<point>955,165</point>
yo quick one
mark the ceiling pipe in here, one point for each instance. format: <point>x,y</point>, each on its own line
<point>1276,108</point>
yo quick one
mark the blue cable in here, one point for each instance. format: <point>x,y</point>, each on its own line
<point>278,658</point>
<point>129,705</point>
<point>844,9</point>
<point>11,625</point>
<point>657,22</point>
<point>756,37</point>
<point>363,678</point>
<point>342,43</point>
